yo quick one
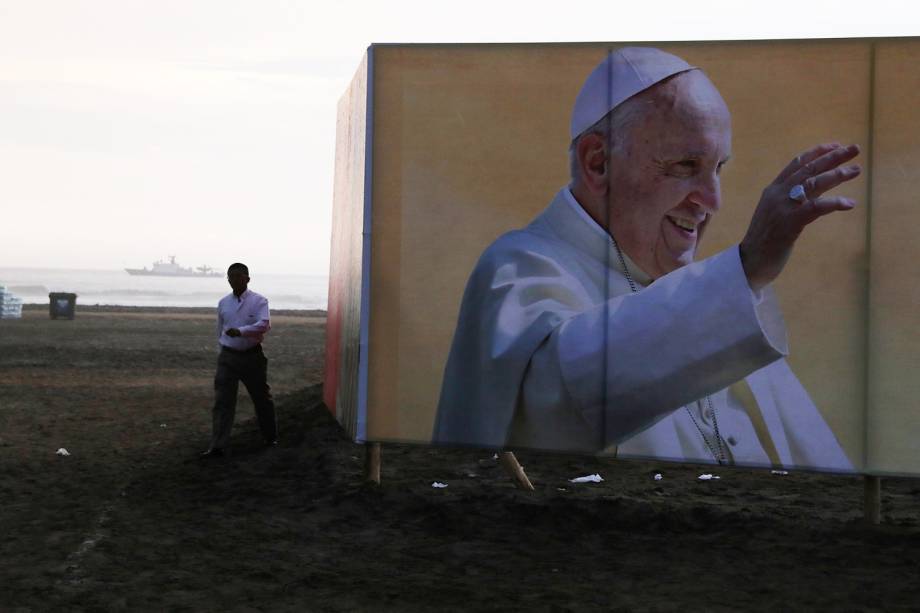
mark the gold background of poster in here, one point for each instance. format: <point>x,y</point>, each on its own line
<point>471,141</point>
<point>894,340</point>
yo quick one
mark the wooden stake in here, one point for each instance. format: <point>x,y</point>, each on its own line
<point>872,499</point>
<point>515,470</point>
<point>372,462</point>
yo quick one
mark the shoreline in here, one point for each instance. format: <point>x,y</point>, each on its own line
<point>173,310</point>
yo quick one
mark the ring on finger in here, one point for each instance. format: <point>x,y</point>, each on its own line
<point>797,193</point>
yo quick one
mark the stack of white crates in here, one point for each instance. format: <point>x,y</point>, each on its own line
<point>10,305</point>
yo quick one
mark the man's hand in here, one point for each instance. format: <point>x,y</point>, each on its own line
<point>778,219</point>
<point>233,332</point>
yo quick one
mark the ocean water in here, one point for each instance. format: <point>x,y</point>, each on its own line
<point>116,287</point>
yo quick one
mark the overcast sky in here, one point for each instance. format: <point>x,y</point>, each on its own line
<point>206,129</point>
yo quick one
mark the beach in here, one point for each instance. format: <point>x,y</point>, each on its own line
<point>133,520</point>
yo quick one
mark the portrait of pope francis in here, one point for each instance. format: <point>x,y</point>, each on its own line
<point>596,329</point>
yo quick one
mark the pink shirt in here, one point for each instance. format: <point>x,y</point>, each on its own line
<point>248,314</point>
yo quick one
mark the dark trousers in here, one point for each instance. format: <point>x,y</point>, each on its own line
<point>250,367</point>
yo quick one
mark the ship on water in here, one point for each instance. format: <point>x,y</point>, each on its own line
<point>172,269</point>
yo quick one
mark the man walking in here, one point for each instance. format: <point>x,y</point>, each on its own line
<point>242,322</point>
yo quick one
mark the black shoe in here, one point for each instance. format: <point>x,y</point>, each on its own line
<point>211,453</point>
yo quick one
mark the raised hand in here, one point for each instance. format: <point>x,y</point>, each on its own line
<point>779,220</point>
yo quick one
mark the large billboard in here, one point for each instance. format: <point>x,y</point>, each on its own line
<point>649,251</point>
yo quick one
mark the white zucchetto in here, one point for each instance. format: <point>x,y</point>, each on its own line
<point>621,75</point>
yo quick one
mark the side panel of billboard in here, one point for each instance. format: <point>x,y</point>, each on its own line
<point>349,269</point>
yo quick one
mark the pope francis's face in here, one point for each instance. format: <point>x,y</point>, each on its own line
<point>664,181</point>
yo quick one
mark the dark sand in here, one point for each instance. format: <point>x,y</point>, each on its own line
<point>132,520</point>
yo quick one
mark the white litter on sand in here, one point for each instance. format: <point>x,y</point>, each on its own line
<point>708,477</point>
<point>779,472</point>
<point>595,478</point>
<point>162,425</point>
<point>658,477</point>
<point>62,451</point>
<point>439,485</point>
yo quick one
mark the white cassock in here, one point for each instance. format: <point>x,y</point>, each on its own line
<point>553,351</point>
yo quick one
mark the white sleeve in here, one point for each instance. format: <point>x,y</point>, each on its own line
<point>616,369</point>
<point>262,324</point>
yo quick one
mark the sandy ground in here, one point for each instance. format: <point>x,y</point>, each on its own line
<point>133,520</point>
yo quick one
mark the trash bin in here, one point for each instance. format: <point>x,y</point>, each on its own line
<point>62,305</point>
